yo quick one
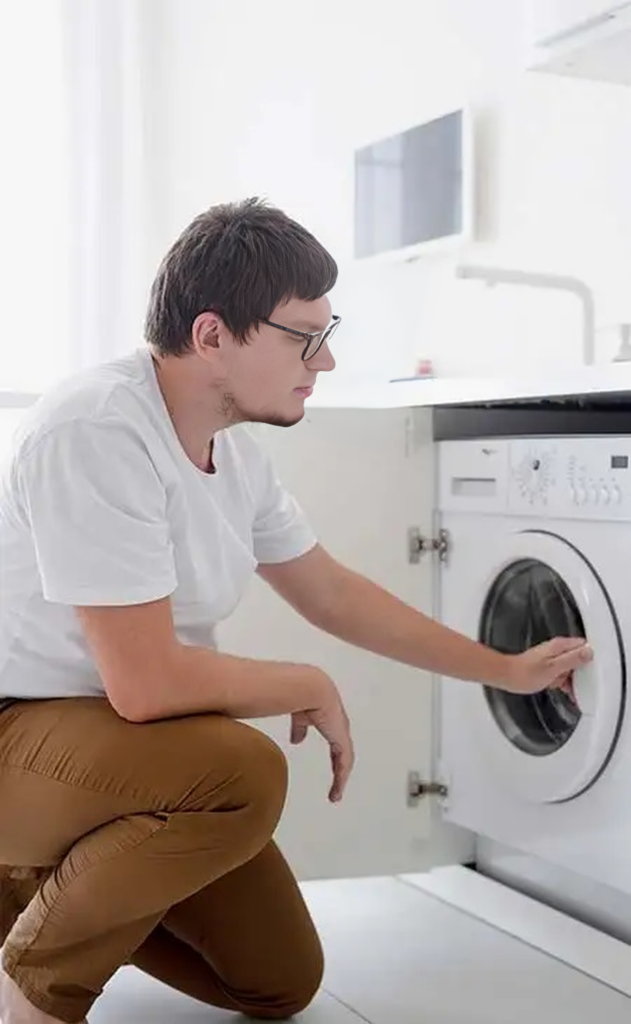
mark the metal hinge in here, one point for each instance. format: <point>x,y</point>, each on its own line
<point>418,545</point>
<point>418,789</point>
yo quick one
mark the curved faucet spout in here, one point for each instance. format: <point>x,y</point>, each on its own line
<point>557,282</point>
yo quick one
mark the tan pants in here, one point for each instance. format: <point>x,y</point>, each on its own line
<point>157,839</point>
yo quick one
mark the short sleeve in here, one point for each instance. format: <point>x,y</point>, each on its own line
<point>97,511</point>
<point>281,531</point>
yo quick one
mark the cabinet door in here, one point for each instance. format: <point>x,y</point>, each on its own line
<point>363,477</point>
<point>552,21</point>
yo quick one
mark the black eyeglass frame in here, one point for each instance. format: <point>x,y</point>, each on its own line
<point>324,335</point>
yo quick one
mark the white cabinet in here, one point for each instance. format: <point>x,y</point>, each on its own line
<point>363,477</point>
<point>581,38</point>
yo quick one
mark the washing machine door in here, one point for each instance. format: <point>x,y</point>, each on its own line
<point>549,747</point>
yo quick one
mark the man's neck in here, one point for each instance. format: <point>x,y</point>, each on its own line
<point>189,412</point>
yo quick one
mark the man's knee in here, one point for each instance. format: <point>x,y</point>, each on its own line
<point>219,763</point>
<point>303,986</point>
<point>307,986</point>
<point>264,773</point>
<point>252,779</point>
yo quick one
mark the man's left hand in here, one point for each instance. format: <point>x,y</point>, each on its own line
<point>549,665</point>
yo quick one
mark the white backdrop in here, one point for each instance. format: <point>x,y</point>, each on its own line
<point>34,214</point>
<point>73,195</point>
<point>106,78</point>
<point>74,189</point>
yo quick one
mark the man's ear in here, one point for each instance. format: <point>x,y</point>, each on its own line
<point>205,332</point>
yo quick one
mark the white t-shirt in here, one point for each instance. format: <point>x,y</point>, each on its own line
<point>100,505</point>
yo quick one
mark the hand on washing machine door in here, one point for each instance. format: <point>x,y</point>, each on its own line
<point>549,665</point>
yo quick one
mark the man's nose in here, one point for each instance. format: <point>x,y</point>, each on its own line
<point>323,359</point>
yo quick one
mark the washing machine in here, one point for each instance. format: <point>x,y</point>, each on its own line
<point>539,545</point>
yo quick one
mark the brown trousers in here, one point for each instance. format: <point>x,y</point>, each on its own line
<point>155,843</point>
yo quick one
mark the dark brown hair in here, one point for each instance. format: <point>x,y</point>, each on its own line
<point>240,260</point>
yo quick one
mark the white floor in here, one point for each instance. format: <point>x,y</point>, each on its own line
<point>398,955</point>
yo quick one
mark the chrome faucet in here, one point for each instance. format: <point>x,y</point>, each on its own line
<point>497,275</point>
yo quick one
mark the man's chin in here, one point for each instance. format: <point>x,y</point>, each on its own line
<point>284,421</point>
<point>278,419</point>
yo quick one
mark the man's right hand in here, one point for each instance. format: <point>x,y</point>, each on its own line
<point>330,719</point>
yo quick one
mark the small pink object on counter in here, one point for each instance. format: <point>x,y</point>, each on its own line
<point>424,368</point>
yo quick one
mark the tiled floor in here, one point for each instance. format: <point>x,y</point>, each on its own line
<point>398,956</point>
<point>133,998</point>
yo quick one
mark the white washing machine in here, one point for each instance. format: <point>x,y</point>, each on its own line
<point>540,545</point>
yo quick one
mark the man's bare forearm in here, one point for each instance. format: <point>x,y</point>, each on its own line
<point>365,615</point>
<point>196,680</point>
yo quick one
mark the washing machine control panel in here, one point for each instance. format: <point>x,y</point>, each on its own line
<point>577,477</point>
<point>573,477</point>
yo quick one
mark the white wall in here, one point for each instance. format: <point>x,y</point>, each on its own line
<point>272,98</point>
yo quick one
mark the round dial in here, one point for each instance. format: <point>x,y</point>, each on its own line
<point>533,474</point>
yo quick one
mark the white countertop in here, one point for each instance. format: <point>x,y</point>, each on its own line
<point>611,378</point>
<point>608,379</point>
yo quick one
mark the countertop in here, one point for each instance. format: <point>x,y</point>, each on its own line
<point>610,379</point>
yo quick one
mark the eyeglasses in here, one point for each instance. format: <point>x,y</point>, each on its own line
<point>314,340</point>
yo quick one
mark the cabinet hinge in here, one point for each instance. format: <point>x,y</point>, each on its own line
<point>418,545</point>
<point>418,789</point>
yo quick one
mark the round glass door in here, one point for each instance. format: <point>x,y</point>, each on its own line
<point>551,746</point>
<point>529,603</point>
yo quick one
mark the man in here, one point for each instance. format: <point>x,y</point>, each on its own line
<point>137,811</point>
